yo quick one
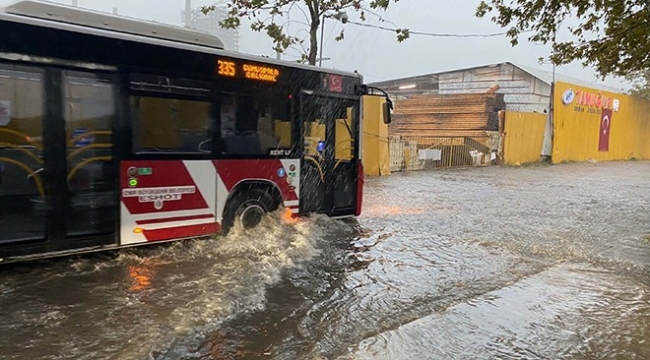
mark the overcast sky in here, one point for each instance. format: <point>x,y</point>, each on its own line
<point>375,53</point>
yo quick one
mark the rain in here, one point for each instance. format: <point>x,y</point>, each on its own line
<point>487,262</point>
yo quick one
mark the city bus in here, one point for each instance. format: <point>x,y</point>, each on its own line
<point>116,132</point>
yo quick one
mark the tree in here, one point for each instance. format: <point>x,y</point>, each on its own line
<point>264,16</point>
<point>640,84</point>
<point>611,35</point>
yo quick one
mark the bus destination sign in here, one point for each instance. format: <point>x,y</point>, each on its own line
<point>228,68</point>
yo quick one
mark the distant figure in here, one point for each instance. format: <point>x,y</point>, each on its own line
<point>494,158</point>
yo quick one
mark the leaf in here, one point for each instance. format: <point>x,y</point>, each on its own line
<point>340,36</point>
<point>610,35</point>
<point>640,84</point>
<point>402,34</point>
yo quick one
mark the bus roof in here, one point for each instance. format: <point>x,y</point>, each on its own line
<point>74,15</point>
<point>70,18</point>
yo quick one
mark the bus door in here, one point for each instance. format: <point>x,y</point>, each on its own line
<point>57,175</point>
<point>23,189</point>
<point>328,177</point>
<point>91,177</point>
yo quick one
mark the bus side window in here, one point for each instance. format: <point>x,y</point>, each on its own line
<point>239,117</point>
<point>254,125</point>
<point>344,148</point>
<point>170,125</point>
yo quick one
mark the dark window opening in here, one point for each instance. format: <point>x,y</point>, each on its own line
<point>257,124</point>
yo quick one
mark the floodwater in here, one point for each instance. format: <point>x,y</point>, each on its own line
<point>486,263</point>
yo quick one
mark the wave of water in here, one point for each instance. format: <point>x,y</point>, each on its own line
<point>155,302</point>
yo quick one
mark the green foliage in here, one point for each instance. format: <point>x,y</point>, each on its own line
<point>402,34</point>
<point>640,84</point>
<point>267,16</point>
<point>611,35</point>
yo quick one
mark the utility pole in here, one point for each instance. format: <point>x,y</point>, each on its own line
<point>322,36</point>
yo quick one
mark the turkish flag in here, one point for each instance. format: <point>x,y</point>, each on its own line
<point>605,127</point>
<point>335,83</point>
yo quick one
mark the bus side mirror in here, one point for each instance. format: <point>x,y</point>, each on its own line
<point>387,108</point>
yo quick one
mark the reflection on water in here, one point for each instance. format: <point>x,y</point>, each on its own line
<point>569,311</point>
<point>489,263</point>
<point>141,275</point>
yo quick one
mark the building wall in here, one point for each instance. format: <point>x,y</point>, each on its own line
<point>210,24</point>
<point>523,137</point>
<point>522,91</point>
<point>583,132</point>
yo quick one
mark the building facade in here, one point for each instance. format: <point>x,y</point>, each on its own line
<point>524,89</point>
<point>210,24</point>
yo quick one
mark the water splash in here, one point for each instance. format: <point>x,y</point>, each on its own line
<point>156,301</point>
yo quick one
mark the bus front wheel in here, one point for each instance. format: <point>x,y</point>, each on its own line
<point>247,209</point>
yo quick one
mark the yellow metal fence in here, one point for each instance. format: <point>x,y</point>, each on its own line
<point>523,137</point>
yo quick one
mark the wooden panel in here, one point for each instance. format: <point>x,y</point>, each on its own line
<point>447,115</point>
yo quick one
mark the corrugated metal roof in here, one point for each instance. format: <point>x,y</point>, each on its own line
<point>432,78</point>
<point>547,77</point>
<point>541,74</point>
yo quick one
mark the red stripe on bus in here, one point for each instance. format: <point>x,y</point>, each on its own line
<point>234,171</point>
<point>181,232</point>
<point>178,218</point>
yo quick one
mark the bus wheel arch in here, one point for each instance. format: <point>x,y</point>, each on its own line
<point>249,202</point>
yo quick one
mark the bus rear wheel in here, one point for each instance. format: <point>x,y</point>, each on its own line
<point>247,209</point>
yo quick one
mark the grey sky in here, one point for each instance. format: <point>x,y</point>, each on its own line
<point>375,53</point>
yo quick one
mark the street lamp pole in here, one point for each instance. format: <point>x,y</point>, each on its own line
<point>340,16</point>
<point>322,35</point>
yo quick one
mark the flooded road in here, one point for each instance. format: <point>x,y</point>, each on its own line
<point>484,263</point>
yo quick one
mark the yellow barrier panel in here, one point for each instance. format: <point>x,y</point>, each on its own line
<point>317,130</point>
<point>283,133</point>
<point>523,138</point>
<point>591,124</point>
<point>343,148</point>
<point>375,155</point>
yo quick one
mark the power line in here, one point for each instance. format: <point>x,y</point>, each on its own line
<point>428,33</point>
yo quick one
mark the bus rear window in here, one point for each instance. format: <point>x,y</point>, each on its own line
<point>169,125</point>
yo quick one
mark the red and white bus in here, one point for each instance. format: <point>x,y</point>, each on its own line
<point>116,132</point>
